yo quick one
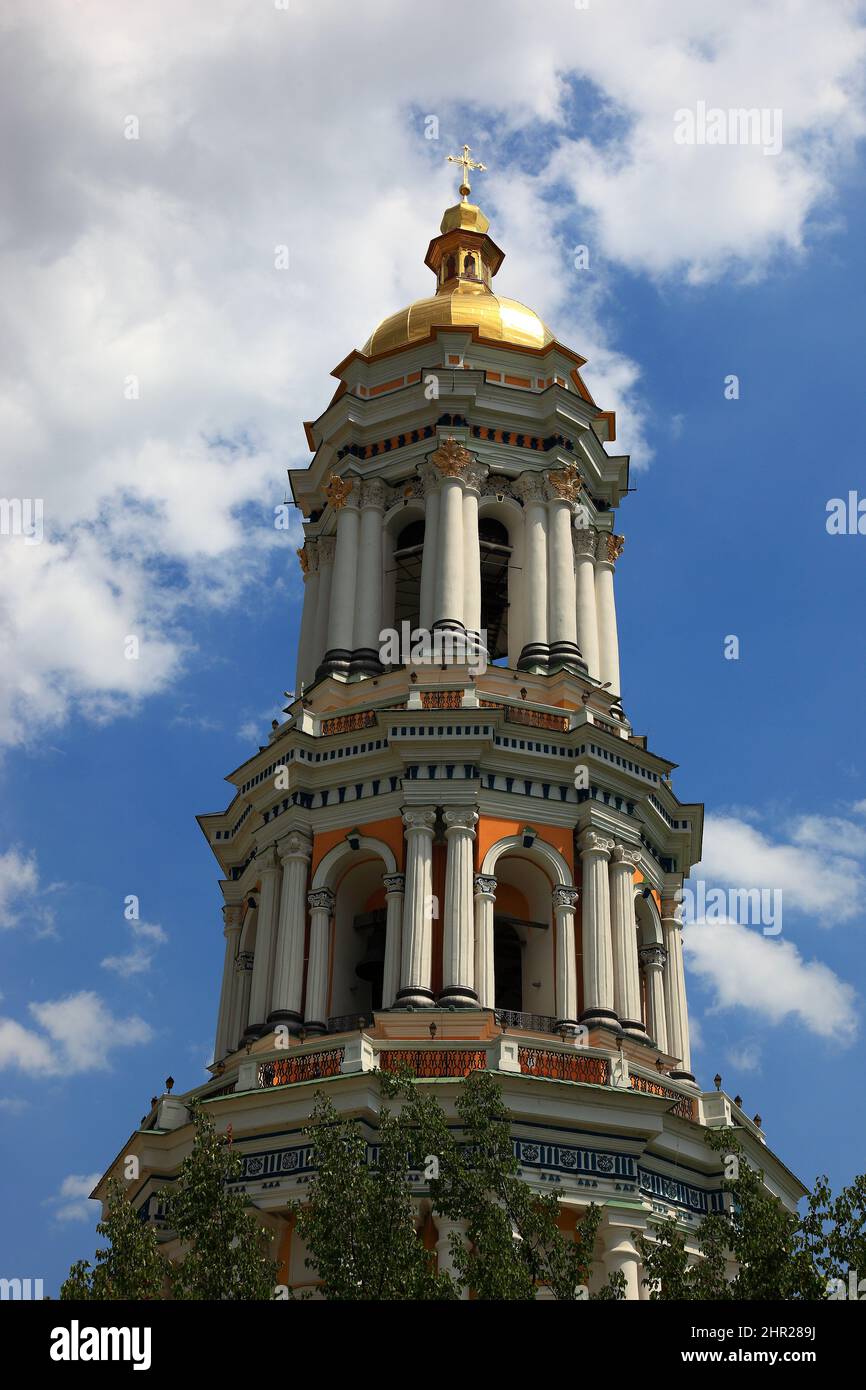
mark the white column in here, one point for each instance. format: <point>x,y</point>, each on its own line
<point>341,612</point>
<point>394,886</point>
<point>530,486</point>
<point>607,554</point>
<point>626,975</point>
<point>418,906</point>
<point>327,548</point>
<point>232,918</point>
<point>562,594</point>
<point>653,958</point>
<point>485,899</point>
<point>307,655</point>
<point>368,595</point>
<point>621,1254</point>
<point>449,582</point>
<point>445,1227</point>
<point>587,621</point>
<point>260,989</point>
<point>430,479</point>
<point>564,900</point>
<point>458,947</point>
<point>294,852</point>
<point>240,1015</point>
<point>474,477</point>
<point>596,938</point>
<point>676,1007</point>
<point>321,901</point>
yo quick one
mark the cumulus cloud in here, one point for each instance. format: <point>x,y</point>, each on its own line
<point>745,970</point>
<point>73,1035</point>
<point>22,897</point>
<point>155,365</point>
<point>72,1202</point>
<point>817,862</point>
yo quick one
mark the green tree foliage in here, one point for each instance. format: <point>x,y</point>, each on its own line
<point>226,1253</point>
<point>130,1267</point>
<point>778,1255</point>
<point>358,1221</point>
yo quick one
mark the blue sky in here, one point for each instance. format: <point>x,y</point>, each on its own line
<point>154,258</point>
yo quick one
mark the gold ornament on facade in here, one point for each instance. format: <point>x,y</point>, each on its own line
<point>337,491</point>
<point>615,547</point>
<point>451,458</point>
<point>566,482</point>
<point>304,559</point>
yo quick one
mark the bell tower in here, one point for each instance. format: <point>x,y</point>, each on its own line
<point>455,851</point>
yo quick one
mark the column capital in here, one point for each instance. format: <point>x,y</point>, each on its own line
<point>267,860</point>
<point>321,900</point>
<point>565,898</point>
<point>530,487</point>
<point>298,844</point>
<point>419,819</point>
<point>327,546</point>
<point>652,957</point>
<point>244,961</point>
<point>430,477</point>
<point>452,459</point>
<point>460,818</point>
<point>484,885</point>
<point>394,883</point>
<point>374,493</point>
<point>233,915</point>
<point>672,911</point>
<point>592,842</point>
<point>585,543</point>
<point>342,492</point>
<point>609,548</point>
<point>563,484</point>
<point>626,855</point>
<point>308,555</point>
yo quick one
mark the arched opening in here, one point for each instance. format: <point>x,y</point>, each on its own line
<point>408,553</point>
<point>450,267</point>
<point>359,942</point>
<point>469,267</point>
<point>495,550</point>
<point>507,967</point>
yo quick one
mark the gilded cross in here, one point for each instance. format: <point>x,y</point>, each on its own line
<point>468,164</point>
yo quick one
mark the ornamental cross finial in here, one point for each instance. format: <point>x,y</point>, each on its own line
<point>467,165</point>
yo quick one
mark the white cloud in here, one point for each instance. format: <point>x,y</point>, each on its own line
<point>13,1105</point>
<point>817,866</point>
<point>72,1202</point>
<point>75,1034</point>
<point>135,962</point>
<point>745,970</point>
<point>154,257</point>
<point>24,898</point>
<point>744,1057</point>
<point>151,930</point>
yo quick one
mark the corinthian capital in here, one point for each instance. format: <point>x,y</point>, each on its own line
<point>296,845</point>
<point>626,855</point>
<point>530,487</point>
<point>591,842</point>
<point>327,546</point>
<point>585,542</point>
<point>341,491</point>
<point>564,897</point>
<point>233,915</point>
<point>321,900</point>
<point>373,493</point>
<point>564,483</point>
<point>610,547</point>
<point>652,957</point>
<point>452,458</point>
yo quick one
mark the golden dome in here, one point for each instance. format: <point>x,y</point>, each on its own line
<point>464,260</point>
<point>503,320</point>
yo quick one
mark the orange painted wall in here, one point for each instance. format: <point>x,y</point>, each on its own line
<point>490,829</point>
<point>390,831</point>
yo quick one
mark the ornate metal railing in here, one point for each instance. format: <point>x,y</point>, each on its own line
<point>348,723</point>
<point>308,1066</point>
<point>683,1105</point>
<point>564,1066</point>
<point>436,1061</point>
<point>533,1023</point>
<point>535,718</point>
<point>349,1023</point>
<point>441,699</point>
